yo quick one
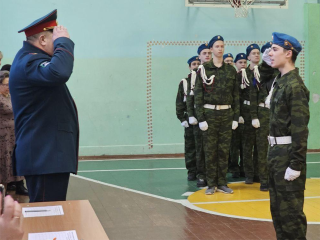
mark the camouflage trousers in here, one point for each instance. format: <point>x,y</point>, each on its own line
<point>262,144</point>
<point>248,143</point>
<point>200,162</point>
<point>236,166</point>
<point>286,197</point>
<point>216,141</point>
<point>190,150</point>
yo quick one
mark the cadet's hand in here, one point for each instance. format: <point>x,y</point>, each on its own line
<point>291,175</point>
<point>241,120</point>
<point>60,31</point>
<point>193,121</point>
<point>10,224</point>
<point>266,57</point>
<point>255,123</point>
<point>234,125</point>
<point>203,126</point>
<point>185,124</point>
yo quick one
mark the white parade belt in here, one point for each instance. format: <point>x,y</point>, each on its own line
<point>246,102</point>
<point>217,107</point>
<point>263,105</point>
<point>279,140</point>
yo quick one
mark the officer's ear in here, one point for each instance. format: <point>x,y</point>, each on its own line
<point>45,37</point>
<point>42,40</point>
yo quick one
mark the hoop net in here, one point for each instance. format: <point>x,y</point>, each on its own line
<point>241,7</point>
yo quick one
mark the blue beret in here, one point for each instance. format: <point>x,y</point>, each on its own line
<point>195,58</point>
<point>240,56</point>
<point>227,55</point>
<point>252,47</point>
<point>266,46</point>
<point>202,47</point>
<point>44,23</point>
<point>214,39</point>
<point>286,41</point>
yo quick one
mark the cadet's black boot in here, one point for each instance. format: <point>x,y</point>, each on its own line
<point>264,187</point>
<point>249,180</point>
<point>201,183</point>
<point>192,176</point>
<point>20,188</point>
<point>11,186</point>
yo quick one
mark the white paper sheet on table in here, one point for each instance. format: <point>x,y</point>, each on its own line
<point>65,235</point>
<point>42,211</point>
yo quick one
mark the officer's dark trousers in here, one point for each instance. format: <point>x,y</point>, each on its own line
<point>48,187</point>
<point>286,197</point>
<point>216,142</point>
<point>190,150</point>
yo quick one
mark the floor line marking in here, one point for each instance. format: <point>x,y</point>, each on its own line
<point>127,189</point>
<point>186,194</point>
<point>132,145</point>
<point>237,201</point>
<point>185,202</point>
<point>125,170</point>
<point>143,159</point>
<point>131,159</point>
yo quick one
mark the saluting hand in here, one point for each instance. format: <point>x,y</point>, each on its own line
<point>60,31</point>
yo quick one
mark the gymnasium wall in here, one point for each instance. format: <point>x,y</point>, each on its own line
<point>131,55</point>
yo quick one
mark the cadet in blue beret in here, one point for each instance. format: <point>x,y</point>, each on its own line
<point>289,118</point>
<point>46,120</point>
<point>193,62</point>
<point>249,85</point>
<point>236,166</point>
<point>182,115</point>
<point>204,53</point>
<point>240,61</point>
<point>228,58</point>
<point>266,46</point>
<point>216,92</point>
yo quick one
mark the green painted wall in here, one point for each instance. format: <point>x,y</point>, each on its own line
<point>113,77</point>
<point>312,36</point>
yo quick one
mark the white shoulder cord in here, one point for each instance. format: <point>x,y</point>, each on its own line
<point>204,76</point>
<point>193,82</point>
<point>185,89</point>
<point>268,99</point>
<point>244,82</point>
<point>256,73</point>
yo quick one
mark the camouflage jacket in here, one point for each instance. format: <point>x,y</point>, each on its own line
<point>223,91</point>
<point>289,115</point>
<point>181,103</point>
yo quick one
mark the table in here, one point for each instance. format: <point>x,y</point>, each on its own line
<point>78,215</point>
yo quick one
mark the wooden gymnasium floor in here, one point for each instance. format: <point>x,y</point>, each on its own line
<point>151,199</point>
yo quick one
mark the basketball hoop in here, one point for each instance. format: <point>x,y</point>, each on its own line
<point>241,7</point>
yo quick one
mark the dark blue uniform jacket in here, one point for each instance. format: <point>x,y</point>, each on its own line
<point>45,115</point>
